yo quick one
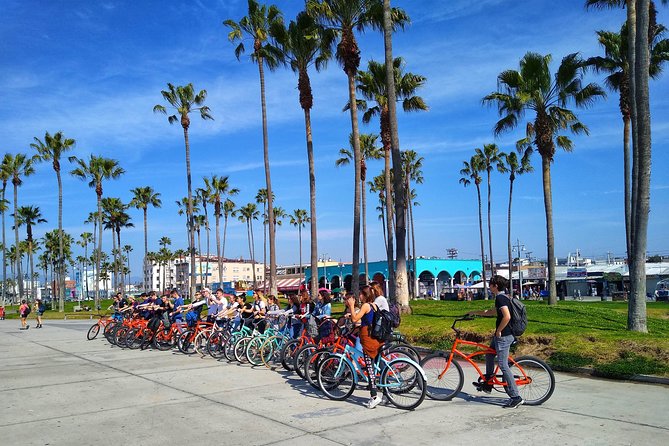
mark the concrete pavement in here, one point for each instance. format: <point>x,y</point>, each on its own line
<point>57,388</point>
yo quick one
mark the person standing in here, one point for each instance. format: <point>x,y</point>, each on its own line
<point>24,311</point>
<point>501,342</point>
<point>39,311</point>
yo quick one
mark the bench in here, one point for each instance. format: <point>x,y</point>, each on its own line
<point>78,316</point>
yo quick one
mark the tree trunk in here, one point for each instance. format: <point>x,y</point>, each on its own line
<point>485,283</point>
<point>492,262</point>
<point>413,239</point>
<point>355,264</point>
<point>268,181</point>
<point>508,241</point>
<point>636,315</point>
<point>121,285</point>
<point>401,288</point>
<point>99,250</point>
<point>18,249</point>
<point>253,255</point>
<point>264,245</point>
<point>206,228</point>
<point>32,270</point>
<point>626,183</point>
<point>550,239</point>
<point>61,260</point>
<point>191,235</point>
<point>146,250</point>
<point>313,257</point>
<point>363,193</point>
<point>631,61</point>
<point>218,248</point>
<point>199,257</point>
<point>4,247</point>
<point>299,236</point>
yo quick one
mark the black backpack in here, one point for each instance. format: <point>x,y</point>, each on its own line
<point>382,324</point>
<point>27,312</point>
<point>518,322</point>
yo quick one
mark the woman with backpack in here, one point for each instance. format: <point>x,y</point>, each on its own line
<point>24,311</point>
<point>370,346</point>
<point>39,311</point>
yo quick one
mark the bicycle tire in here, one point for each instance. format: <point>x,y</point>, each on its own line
<point>403,384</point>
<point>134,338</point>
<point>119,336</point>
<point>229,347</point>
<point>200,342</point>
<point>93,332</point>
<point>335,378</point>
<point>300,357</point>
<point>542,380</point>
<point>215,344</point>
<point>108,329</point>
<point>269,351</point>
<point>287,352</point>
<point>163,340</point>
<point>240,349</point>
<point>185,343</point>
<point>311,366</point>
<point>402,350</point>
<point>253,351</point>
<point>442,387</point>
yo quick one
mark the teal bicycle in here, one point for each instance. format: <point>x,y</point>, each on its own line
<point>400,379</point>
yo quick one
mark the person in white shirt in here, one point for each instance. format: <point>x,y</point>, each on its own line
<point>379,299</point>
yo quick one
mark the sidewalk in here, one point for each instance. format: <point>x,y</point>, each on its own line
<point>57,388</point>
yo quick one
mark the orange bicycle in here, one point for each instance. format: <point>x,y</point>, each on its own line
<point>445,377</point>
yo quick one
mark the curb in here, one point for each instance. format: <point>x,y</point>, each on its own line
<point>646,379</point>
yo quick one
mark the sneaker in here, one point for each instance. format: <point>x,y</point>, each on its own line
<point>482,387</point>
<point>514,402</point>
<point>373,402</point>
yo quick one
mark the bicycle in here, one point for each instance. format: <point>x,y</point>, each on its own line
<point>445,377</point>
<point>400,379</point>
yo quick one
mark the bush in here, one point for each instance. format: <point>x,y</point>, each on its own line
<point>628,365</point>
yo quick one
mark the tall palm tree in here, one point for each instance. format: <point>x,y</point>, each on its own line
<point>142,198</point>
<point>30,216</point>
<point>514,167</point>
<point>51,149</point>
<point>257,25</point>
<point>183,100</point>
<point>413,173</point>
<point>534,89</point>
<point>262,198</point>
<point>304,43</point>
<point>4,206</point>
<point>182,206</point>
<point>378,185</point>
<point>299,218</point>
<point>95,170</point>
<point>198,223</point>
<point>247,214</point>
<point>368,151</point>
<point>204,196</point>
<point>471,171</point>
<point>229,210</point>
<point>85,239</point>
<point>160,256</point>
<point>372,85</point>
<point>490,157</point>
<point>343,16</point>
<point>17,168</point>
<point>113,218</point>
<point>615,64</point>
<point>219,187</point>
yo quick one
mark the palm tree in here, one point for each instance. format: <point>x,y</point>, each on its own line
<point>412,167</point>
<point>182,206</point>
<point>143,197</point>
<point>533,89</point>
<point>30,216</point>
<point>368,150</point>
<point>257,25</point>
<point>261,198</point>
<point>378,185</point>
<point>4,206</point>
<point>114,219</point>
<point>615,64</point>
<point>303,44</point>
<point>163,257</point>
<point>471,171</point>
<point>229,210</point>
<point>86,238</point>
<point>299,218</point>
<point>247,214</point>
<point>490,157</point>
<point>183,101</point>
<point>159,257</point>
<point>96,170</point>
<point>18,167</point>
<point>199,222</point>
<point>514,167</point>
<point>219,187</point>
<point>372,85</point>
<point>204,196</point>
<point>51,149</point>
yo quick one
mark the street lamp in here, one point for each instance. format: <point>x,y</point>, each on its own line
<point>341,275</point>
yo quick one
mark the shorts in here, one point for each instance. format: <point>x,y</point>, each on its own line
<point>40,313</point>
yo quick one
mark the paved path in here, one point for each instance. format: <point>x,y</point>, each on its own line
<point>57,388</point>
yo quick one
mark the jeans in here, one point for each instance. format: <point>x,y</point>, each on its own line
<point>502,346</point>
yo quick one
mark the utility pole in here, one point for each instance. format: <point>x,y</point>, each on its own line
<point>518,247</point>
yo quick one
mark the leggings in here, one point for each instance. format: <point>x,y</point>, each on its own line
<point>369,364</point>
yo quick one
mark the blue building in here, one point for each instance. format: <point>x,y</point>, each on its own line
<point>434,277</point>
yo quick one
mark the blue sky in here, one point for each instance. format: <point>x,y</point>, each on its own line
<point>95,70</point>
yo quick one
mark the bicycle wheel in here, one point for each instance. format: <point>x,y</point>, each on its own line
<point>403,384</point>
<point>270,350</point>
<point>93,332</point>
<point>240,349</point>
<point>185,342</point>
<point>215,344</point>
<point>401,350</point>
<point>442,383</point>
<point>536,377</point>
<point>200,343</point>
<point>229,347</point>
<point>287,353</point>
<point>300,357</point>
<point>253,351</point>
<point>107,332</point>
<point>311,364</point>
<point>163,340</point>
<point>335,378</point>
<point>134,338</point>
<point>119,335</point>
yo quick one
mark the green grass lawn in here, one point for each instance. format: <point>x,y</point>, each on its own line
<point>569,335</point>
